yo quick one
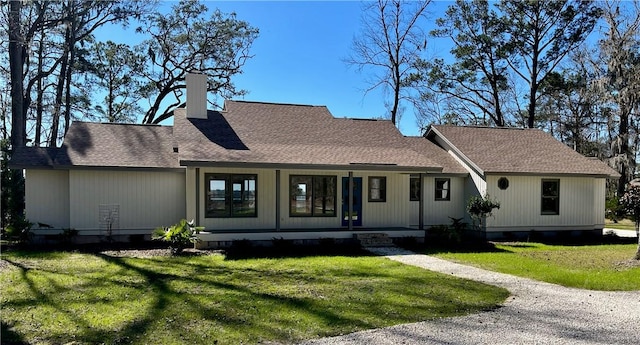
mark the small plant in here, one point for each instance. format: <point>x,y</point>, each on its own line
<point>613,209</point>
<point>179,236</point>
<point>480,208</point>
<point>19,230</point>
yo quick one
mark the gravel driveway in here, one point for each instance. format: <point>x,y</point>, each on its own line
<point>535,313</point>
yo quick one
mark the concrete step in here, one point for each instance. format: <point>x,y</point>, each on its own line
<point>374,239</point>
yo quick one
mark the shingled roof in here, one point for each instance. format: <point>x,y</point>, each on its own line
<point>517,150</point>
<point>105,145</point>
<point>285,134</point>
<point>437,154</point>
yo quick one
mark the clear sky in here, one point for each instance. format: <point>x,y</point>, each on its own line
<point>298,56</point>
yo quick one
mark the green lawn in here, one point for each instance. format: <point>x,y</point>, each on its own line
<point>624,224</point>
<point>63,297</point>
<point>594,267</point>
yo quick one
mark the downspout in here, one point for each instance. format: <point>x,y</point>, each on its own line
<point>277,200</point>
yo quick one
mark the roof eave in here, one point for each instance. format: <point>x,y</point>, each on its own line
<point>458,152</point>
<point>345,167</point>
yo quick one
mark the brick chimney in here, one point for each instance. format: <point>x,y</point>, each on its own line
<point>196,96</point>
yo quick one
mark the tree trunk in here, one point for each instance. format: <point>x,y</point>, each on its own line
<point>16,65</point>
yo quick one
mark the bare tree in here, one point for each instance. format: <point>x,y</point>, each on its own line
<point>390,43</point>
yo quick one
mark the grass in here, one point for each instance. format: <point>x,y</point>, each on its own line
<point>623,224</point>
<point>593,267</point>
<point>80,298</point>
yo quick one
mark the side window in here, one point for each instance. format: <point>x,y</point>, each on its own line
<point>377,189</point>
<point>550,198</point>
<point>443,189</point>
<point>414,188</point>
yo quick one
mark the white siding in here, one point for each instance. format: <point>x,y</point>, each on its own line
<point>392,213</point>
<point>599,198</point>
<point>520,204</point>
<point>438,212</point>
<point>47,197</point>
<point>146,199</point>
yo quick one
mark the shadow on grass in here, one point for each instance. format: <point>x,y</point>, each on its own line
<point>242,250</point>
<point>9,337</point>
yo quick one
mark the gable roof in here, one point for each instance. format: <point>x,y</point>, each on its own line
<point>284,134</point>
<point>517,150</point>
<point>437,154</point>
<point>105,145</point>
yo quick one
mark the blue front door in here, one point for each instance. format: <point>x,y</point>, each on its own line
<point>357,201</point>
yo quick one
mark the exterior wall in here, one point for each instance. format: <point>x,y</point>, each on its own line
<point>47,197</point>
<point>438,212</point>
<point>146,199</point>
<point>392,213</point>
<point>581,204</point>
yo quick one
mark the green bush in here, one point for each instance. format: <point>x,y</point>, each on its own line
<point>19,230</point>
<point>480,208</point>
<point>179,236</point>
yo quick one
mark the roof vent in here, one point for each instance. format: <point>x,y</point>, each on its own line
<point>196,96</point>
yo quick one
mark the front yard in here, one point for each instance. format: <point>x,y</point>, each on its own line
<point>594,267</point>
<point>85,298</point>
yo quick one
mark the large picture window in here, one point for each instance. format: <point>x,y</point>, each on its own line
<point>377,189</point>
<point>550,203</point>
<point>313,196</point>
<point>230,195</point>
<point>443,189</point>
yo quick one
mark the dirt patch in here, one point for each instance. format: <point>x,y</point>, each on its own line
<point>627,264</point>
<point>150,253</point>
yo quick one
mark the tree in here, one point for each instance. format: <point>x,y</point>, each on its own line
<point>184,41</point>
<point>620,82</point>
<point>542,34</point>
<point>390,42</point>
<point>114,68</point>
<point>476,82</point>
<point>523,40</point>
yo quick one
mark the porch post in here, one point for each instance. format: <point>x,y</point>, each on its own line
<point>278,200</point>
<point>350,210</point>
<point>421,204</point>
<point>198,196</point>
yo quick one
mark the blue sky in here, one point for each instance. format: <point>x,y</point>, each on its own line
<point>298,56</point>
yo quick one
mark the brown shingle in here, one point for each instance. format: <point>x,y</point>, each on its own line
<point>251,132</point>
<point>117,145</point>
<point>515,150</point>
<point>436,154</point>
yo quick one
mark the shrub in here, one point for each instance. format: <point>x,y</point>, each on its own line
<point>480,208</point>
<point>19,230</point>
<point>179,236</point>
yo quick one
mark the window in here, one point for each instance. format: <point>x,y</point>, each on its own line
<point>313,196</point>
<point>443,189</point>
<point>550,203</point>
<point>230,195</point>
<point>414,188</point>
<point>503,183</point>
<point>377,189</point>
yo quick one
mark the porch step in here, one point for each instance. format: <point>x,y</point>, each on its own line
<point>374,239</point>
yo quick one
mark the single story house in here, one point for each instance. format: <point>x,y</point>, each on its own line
<point>260,171</point>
